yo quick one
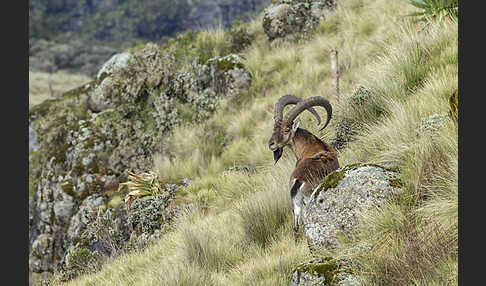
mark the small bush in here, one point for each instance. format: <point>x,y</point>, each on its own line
<point>107,229</point>
<point>239,36</point>
<point>81,261</point>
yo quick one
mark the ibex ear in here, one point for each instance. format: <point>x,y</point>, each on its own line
<point>295,125</point>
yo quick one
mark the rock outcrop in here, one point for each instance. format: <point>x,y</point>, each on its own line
<point>81,143</point>
<point>287,17</point>
<point>335,204</point>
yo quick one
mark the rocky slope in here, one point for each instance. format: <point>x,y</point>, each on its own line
<point>82,142</point>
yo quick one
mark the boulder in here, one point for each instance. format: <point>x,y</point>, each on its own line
<point>335,204</point>
<point>117,61</point>
<point>99,99</point>
<point>287,17</point>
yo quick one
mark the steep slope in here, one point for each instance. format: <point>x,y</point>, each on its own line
<point>401,122</point>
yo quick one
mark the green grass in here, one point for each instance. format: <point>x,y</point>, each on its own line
<point>239,228</point>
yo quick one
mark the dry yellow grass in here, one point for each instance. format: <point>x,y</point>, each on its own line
<point>411,73</point>
<point>44,85</point>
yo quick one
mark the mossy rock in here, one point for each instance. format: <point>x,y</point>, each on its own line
<point>291,17</point>
<point>326,271</point>
<point>334,204</point>
<point>228,62</point>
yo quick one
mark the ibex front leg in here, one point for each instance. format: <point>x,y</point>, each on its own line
<point>297,197</point>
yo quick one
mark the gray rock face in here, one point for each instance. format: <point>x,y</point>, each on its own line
<point>334,205</point>
<point>99,99</point>
<point>117,61</point>
<point>287,17</point>
<point>82,143</point>
<point>42,254</point>
<point>431,125</point>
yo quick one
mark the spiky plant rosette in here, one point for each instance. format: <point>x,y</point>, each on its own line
<point>430,10</point>
<point>140,185</point>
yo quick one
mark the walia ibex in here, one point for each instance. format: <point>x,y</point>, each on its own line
<point>315,158</point>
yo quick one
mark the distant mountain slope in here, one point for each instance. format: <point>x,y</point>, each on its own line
<point>79,36</point>
<point>126,20</point>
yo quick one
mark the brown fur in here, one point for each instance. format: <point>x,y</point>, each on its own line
<point>316,159</point>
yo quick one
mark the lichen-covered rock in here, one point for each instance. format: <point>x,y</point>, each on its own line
<point>431,125</point>
<point>334,205</point>
<point>287,17</point>
<point>82,142</point>
<point>83,216</point>
<point>325,271</point>
<point>117,61</point>
<point>228,75</point>
<point>41,257</point>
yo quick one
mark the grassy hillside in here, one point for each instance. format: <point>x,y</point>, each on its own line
<point>237,229</point>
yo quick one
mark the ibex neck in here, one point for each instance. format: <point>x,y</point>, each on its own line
<point>306,144</point>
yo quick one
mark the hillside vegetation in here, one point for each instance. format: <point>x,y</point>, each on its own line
<point>236,227</point>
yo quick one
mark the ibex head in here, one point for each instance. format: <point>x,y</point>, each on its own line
<point>284,128</point>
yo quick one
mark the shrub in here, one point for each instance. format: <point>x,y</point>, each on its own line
<point>107,230</point>
<point>81,261</point>
<point>239,37</point>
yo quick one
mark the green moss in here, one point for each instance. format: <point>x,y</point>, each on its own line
<point>332,179</point>
<point>326,267</point>
<point>115,202</point>
<point>68,186</point>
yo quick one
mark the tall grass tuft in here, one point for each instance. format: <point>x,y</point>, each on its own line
<point>211,249</point>
<point>264,214</point>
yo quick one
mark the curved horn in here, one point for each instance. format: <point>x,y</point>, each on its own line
<point>291,99</point>
<point>306,104</point>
